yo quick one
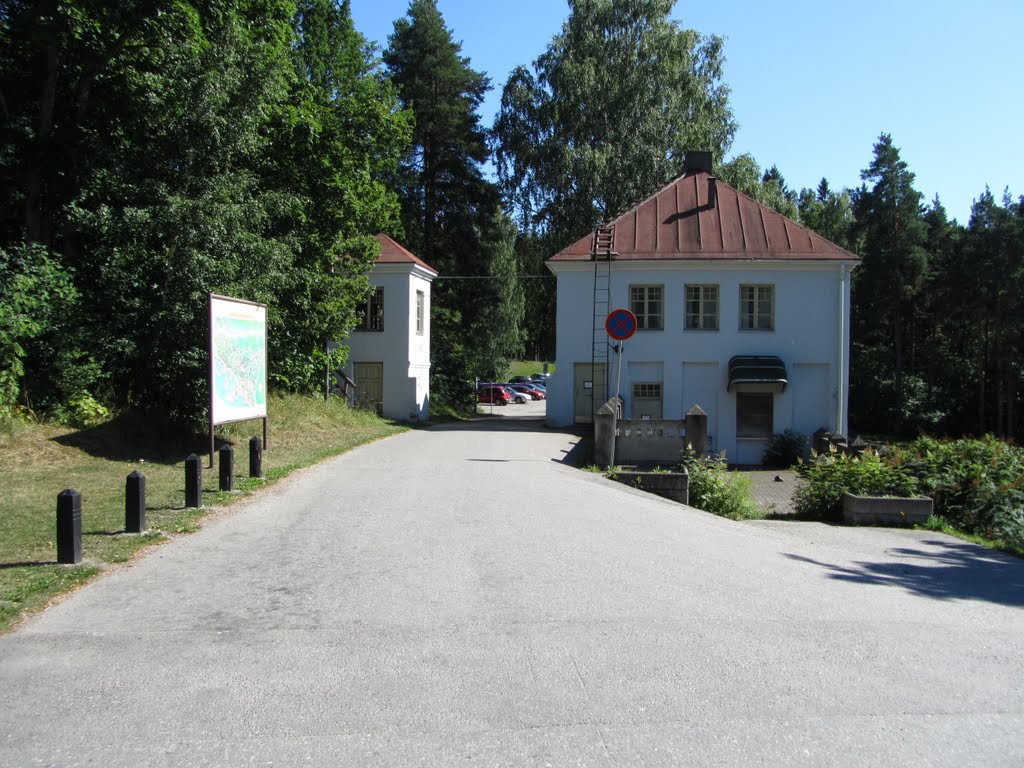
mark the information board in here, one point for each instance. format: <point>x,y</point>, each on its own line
<point>238,360</point>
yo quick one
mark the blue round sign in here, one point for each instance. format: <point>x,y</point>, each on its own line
<point>621,324</point>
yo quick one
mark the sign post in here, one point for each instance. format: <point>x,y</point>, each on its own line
<point>620,325</point>
<point>238,363</point>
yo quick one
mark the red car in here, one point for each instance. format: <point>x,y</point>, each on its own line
<point>493,395</point>
<point>534,392</point>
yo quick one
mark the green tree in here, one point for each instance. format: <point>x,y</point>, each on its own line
<point>607,114</point>
<point>887,285</point>
<point>744,174</point>
<point>451,213</point>
<point>991,270</point>
<point>339,136</point>
<point>827,212</point>
<point>946,330</point>
<point>158,152</point>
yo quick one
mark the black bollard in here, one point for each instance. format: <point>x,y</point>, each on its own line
<point>193,481</point>
<point>69,526</point>
<point>255,457</point>
<point>226,463</point>
<point>135,502</point>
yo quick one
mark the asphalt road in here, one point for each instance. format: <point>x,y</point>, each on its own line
<point>460,596</point>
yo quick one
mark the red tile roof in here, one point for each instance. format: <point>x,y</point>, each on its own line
<point>676,223</point>
<point>393,253</point>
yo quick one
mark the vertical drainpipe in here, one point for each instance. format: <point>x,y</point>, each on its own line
<point>841,368</point>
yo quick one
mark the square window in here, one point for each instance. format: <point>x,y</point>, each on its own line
<point>701,308</point>
<point>647,400</point>
<point>645,301</point>
<point>757,307</point>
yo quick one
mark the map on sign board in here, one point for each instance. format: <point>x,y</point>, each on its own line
<point>238,360</point>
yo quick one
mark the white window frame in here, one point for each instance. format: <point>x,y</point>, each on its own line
<point>421,302</point>
<point>641,297</point>
<point>702,319</point>
<point>757,307</point>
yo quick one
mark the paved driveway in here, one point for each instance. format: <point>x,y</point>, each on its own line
<point>461,597</point>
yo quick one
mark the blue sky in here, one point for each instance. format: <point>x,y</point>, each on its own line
<point>814,82</point>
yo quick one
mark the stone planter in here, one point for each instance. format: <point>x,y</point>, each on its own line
<point>885,510</point>
<point>669,485</point>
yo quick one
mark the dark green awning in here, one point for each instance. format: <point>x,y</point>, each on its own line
<point>762,373</point>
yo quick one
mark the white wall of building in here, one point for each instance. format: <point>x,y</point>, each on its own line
<point>405,354</point>
<point>810,335</point>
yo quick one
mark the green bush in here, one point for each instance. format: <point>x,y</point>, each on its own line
<point>784,449</point>
<point>829,475</point>
<point>82,410</point>
<point>977,485</point>
<point>714,489</point>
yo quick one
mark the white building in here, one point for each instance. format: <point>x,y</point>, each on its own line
<point>740,311</point>
<point>389,350</point>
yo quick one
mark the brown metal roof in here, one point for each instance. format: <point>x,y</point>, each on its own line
<point>676,222</point>
<point>393,253</point>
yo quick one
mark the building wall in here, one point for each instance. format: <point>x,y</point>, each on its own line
<point>405,354</point>
<point>810,335</point>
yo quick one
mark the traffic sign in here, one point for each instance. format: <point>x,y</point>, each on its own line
<point>621,324</point>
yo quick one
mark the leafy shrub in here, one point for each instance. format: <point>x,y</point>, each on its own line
<point>976,484</point>
<point>36,294</point>
<point>82,410</point>
<point>714,489</point>
<point>785,449</point>
<point>829,475</point>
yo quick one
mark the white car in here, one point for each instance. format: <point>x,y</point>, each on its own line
<point>517,396</point>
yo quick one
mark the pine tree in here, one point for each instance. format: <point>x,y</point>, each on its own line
<point>451,213</point>
<point>890,280</point>
<point>828,213</point>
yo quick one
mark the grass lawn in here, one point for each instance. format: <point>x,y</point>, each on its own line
<point>42,460</point>
<point>529,367</point>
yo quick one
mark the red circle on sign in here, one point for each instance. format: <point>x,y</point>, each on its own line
<point>621,324</point>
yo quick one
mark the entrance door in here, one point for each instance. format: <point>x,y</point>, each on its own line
<point>590,390</point>
<point>369,385</point>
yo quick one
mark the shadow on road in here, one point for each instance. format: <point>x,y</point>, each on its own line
<point>576,456</point>
<point>495,424</point>
<point>954,572</point>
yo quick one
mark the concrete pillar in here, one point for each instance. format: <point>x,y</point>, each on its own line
<point>605,421</point>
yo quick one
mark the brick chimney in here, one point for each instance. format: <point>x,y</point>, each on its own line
<point>696,162</point>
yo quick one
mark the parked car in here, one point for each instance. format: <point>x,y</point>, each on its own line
<point>517,396</point>
<point>519,379</point>
<point>540,376</point>
<point>493,395</point>
<point>535,393</point>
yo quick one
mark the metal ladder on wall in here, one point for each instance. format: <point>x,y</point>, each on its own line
<point>602,254</point>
